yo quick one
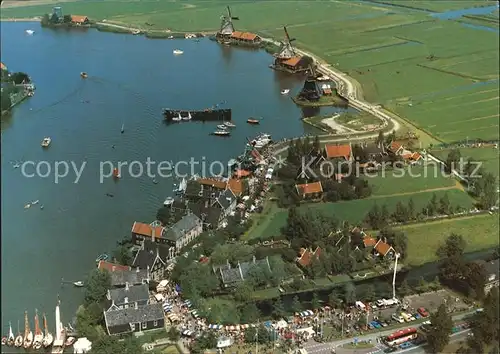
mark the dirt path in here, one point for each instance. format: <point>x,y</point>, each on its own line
<point>443,221</point>
<point>420,191</point>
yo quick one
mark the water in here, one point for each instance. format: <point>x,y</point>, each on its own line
<point>455,14</point>
<point>131,79</point>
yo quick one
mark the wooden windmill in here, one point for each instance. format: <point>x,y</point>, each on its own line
<point>226,27</point>
<point>311,90</point>
<point>286,51</point>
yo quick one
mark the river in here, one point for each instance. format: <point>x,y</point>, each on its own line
<point>131,78</point>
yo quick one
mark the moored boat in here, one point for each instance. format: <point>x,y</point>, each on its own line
<point>229,124</point>
<point>19,338</point>
<point>222,127</point>
<point>178,52</point>
<point>37,341</point>
<point>102,257</point>
<point>221,133</point>
<point>78,284</point>
<point>58,347</point>
<point>46,141</point>
<point>285,91</point>
<point>116,173</point>
<point>48,339</point>
<point>253,121</point>
<point>11,338</point>
<point>209,114</point>
<point>4,340</point>
<point>28,335</point>
<point>69,341</point>
<point>84,75</point>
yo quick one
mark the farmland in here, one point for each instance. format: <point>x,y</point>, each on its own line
<point>480,232</point>
<point>488,157</point>
<point>439,74</point>
<point>354,211</point>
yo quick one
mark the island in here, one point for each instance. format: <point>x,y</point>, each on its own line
<point>16,86</point>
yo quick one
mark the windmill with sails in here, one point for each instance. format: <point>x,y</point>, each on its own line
<point>226,27</point>
<point>37,342</point>
<point>287,58</point>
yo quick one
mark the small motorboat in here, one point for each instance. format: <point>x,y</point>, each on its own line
<point>229,124</point>
<point>69,341</point>
<point>27,206</point>
<point>4,340</point>
<point>83,75</point>
<point>136,32</point>
<point>30,32</point>
<point>123,128</point>
<point>221,133</point>
<point>78,284</point>
<point>102,257</point>
<point>168,201</point>
<point>222,127</point>
<point>116,173</point>
<point>35,202</point>
<point>253,121</point>
<point>155,181</point>
<point>178,52</point>
<point>285,91</point>
<point>46,142</point>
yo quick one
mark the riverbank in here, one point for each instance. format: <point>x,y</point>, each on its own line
<point>26,19</point>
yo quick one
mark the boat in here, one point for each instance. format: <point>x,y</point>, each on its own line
<point>261,140</point>
<point>168,201</point>
<point>28,335</point>
<point>222,127</point>
<point>48,339</point>
<point>37,342</point>
<point>285,91</point>
<point>11,338</point>
<point>253,121</point>
<point>178,52</point>
<point>58,347</point>
<point>209,114</point>
<point>110,195</point>
<point>30,32</point>
<point>136,32</point>
<point>4,340</point>
<point>19,338</point>
<point>123,128</point>
<point>221,133</point>
<point>27,206</point>
<point>182,186</point>
<point>116,173</point>
<point>102,257</point>
<point>229,124</point>
<point>69,342</point>
<point>35,202</point>
<point>46,142</point>
<point>78,284</point>
<point>84,75</point>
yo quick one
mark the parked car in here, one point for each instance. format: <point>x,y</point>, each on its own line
<point>398,318</point>
<point>417,316</point>
<point>383,323</point>
<point>423,312</point>
<point>405,345</point>
<point>391,350</point>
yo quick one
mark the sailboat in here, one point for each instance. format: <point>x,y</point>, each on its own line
<point>19,339</point>
<point>48,339</point>
<point>28,335</point>
<point>11,339</point>
<point>123,128</point>
<point>60,338</point>
<point>37,342</point>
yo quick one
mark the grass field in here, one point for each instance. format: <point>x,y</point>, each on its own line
<point>354,211</point>
<point>481,232</point>
<point>489,157</point>
<point>399,53</point>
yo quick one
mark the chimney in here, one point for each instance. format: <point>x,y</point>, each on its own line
<point>127,286</point>
<point>135,305</point>
<point>385,239</point>
<point>137,270</point>
<point>153,231</point>
<point>125,300</point>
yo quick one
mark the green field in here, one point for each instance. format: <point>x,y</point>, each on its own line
<point>480,232</point>
<point>416,179</point>
<point>425,69</point>
<point>354,211</point>
<point>489,157</point>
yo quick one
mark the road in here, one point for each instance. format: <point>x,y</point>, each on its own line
<point>324,348</point>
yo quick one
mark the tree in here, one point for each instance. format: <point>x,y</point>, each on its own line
<point>250,335</point>
<point>452,160</point>
<point>243,292</point>
<point>67,18</point>
<point>475,275</point>
<point>432,206</point>
<point>334,299</point>
<point>444,204</point>
<point>370,292</point>
<point>404,288</point>
<point>400,214</point>
<point>5,101</point>
<point>315,303</point>
<point>198,280</point>
<point>349,293</point>
<point>451,252</point>
<point>296,305</point>
<point>123,256</point>
<point>485,324</point>
<point>485,188</point>
<point>411,209</point>
<point>112,345</point>
<point>380,139</point>
<point>54,18</point>
<point>249,313</point>
<point>173,334</point>
<point>278,309</point>
<point>20,77</point>
<point>45,20</point>
<point>96,286</point>
<point>442,325</point>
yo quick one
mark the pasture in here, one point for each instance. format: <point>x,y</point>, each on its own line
<point>356,210</point>
<point>488,157</point>
<point>480,232</point>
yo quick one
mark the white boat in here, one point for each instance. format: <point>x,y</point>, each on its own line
<point>178,52</point>
<point>135,32</point>
<point>78,284</point>
<point>221,133</point>
<point>182,186</point>
<point>37,341</point>
<point>177,119</point>
<point>188,117</point>
<point>35,202</point>
<point>222,127</point>
<point>30,32</point>
<point>46,141</point>
<point>11,338</point>
<point>285,91</point>
<point>48,339</point>
<point>229,124</point>
<point>19,338</point>
<point>69,342</point>
<point>168,201</point>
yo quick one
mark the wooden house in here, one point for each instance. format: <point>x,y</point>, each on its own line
<point>245,38</point>
<point>338,152</point>
<point>306,256</point>
<point>134,319</point>
<point>79,20</point>
<point>310,190</point>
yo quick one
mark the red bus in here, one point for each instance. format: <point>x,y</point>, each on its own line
<point>401,336</point>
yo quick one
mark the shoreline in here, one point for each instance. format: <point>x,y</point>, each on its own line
<point>21,19</point>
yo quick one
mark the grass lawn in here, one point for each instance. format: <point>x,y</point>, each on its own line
<point>480,232</point>
<point>488,157</point>
<point>438,6</point>
<point>356,210</point>
<point>414,179</point>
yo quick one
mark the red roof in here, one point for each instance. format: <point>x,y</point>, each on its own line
<point>369,241</point>
<point>146,229</point>
<point>236,186</point>
<point>111,266</point>
<point>293,61</point>
<point>241,173</point>
<point>309,188</point>
<point>79,19</point>
<point>247,36</point>
<point>213,183</point>
<point>306,256</point>
<point>395,146</point>
<point>382,248</point>
<point>335,151</point>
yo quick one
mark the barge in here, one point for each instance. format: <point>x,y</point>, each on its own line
<point>205,115</point>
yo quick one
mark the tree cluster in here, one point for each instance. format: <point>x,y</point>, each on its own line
<point>466,277</point>
<point>485,325</point>
<point>442,324</point>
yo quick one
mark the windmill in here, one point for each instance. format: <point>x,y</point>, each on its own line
<point>286,51</point>
<point>227,27</point>
<point>311,90</point>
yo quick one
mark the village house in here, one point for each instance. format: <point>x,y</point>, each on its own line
<point>129,296</point>
<point>121,278</point>
<point>396,148</point>
<point>231,276</point>
<point>338,152</point>
<point>183,232</point>
<point>383,249</point>
<point>374,152</point>
<point>236,186</point>
<point>204,189</point>
<point>153,257</point>
<point>294,64</point>
<point>245,38</point>
<point>412,158</point>
<point>226,202</point>
<point>306,256</point>
<point>492,273</point>
<point>111,267</point>
<point>151,232</point>
<point>134,319</point>
<point>369,242</point>
<point>310,190</point>
<point>211,216</point>
<point>79,20</point>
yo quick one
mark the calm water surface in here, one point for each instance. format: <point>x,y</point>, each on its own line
<point>131,79</point>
